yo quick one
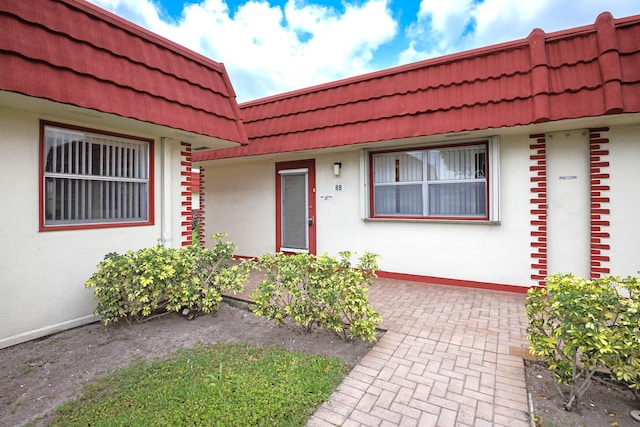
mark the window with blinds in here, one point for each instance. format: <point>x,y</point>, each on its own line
<point>435,182</point>
<point>94,178</point>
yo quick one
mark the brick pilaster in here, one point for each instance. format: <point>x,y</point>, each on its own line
<point>202,211</point>
<point>185,194</point>
<point>599,166</point>
<point>538,210</point>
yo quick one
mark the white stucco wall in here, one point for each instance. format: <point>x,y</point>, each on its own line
<point>624,157</point>
<point>568,200</point>
<point>42,274</point>
<point>240,200</point>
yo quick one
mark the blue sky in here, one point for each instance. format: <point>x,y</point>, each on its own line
<point>273,46</point>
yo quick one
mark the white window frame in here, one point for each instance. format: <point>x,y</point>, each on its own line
<point>493,182</point>
<point>94,179</point>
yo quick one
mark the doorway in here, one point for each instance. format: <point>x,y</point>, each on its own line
<point>296,207</point>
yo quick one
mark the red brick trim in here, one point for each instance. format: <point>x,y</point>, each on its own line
<point>599,167</point>
<point>538,210</point>
<point>202,211</point>
<point>185,184</point>
<point>432,280</point>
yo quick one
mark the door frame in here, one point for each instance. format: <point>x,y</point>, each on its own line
<point>310,165</point>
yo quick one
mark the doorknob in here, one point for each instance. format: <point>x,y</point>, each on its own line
<point>310,222</point>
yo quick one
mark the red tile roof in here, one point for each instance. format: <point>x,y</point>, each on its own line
<point>195,180</point>
<point>582,72</point>
<point>72,52</point>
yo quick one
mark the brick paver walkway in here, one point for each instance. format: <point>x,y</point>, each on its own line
<point>451,356</point>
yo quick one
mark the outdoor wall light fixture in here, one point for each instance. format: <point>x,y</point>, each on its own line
<point>336,168</point>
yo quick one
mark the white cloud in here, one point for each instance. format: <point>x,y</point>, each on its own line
<point>271,49</point>
<point>267,49</point>
<point>443,27</point>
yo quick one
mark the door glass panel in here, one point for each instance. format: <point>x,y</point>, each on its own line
<point>294,211</point>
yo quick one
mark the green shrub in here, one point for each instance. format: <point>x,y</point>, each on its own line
<point>195,234</point>
<point>583,326</point>
<point>135,284</point>
<point>319,291</point>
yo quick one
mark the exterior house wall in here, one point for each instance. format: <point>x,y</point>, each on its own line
<point>240,199</point>
<point>568,200</point>
<point>69,61</point>
<point>240,196</point>
<point>42,274</point>
<point>624,157</point>
<point>559,103</point>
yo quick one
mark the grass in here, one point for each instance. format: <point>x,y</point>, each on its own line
<point>222,384</point>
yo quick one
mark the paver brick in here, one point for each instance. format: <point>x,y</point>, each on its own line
<point>363,371</point>
<point>404,395</point>
<point>402,382</point>
<point>366,402</point>
<point>342,403</point>
<point>483,423</point>
<point>329,416</point>
<point>354,383</point>
<point>472,382</point>
<point>479,396</point>
<point>397,361</point>
<point>385,399</point>
<point>510,412</point>
<point>405,410</point>
<point>317,422</point>
<point>513,382</point>
<point>386,373</point>
<point>446,359</point>
<point>418,368</point>
<point>428,420</point>
<point>439,388</point>
<point>374,362</point>
<point>349,389</point>
<point>507,389</point>
<point>510,422</point>
<point>466,415</point>
<point>424,405</point>
<point>447,418</point>
<point>484,411</point>
<point>511,400</point>
<point>365,418</point>
<point>444,403</point>
<point>386,385</point>
<point>452,374</point>
<point>488,380</point>
<point>408,422</point>
<point>463,400</point>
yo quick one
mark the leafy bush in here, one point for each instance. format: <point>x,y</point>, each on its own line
<point>583,326</point>
<point>319,291</point>
<point>135,284</point>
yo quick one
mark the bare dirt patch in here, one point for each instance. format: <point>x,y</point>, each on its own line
<point>605,404</point>
<point>38,376</point>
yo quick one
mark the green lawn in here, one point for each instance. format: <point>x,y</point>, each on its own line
<point>218,385</point>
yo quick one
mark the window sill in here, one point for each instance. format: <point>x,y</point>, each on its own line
<point>435,221</point>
